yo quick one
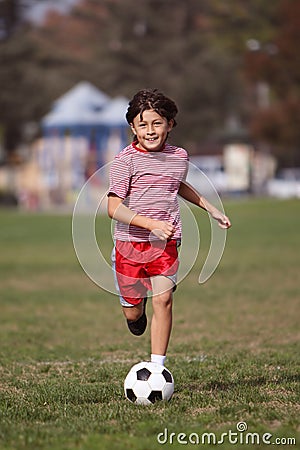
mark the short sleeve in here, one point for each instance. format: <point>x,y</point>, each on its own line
<point>119,178</point>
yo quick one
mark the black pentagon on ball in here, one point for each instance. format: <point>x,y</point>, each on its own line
<point>130,395</point>
<point>154,396</point>
<point>167,376</point>
<point>143,374</point>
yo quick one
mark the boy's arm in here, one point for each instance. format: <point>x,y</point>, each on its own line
<point>117,211</point>
<point>189,193</point>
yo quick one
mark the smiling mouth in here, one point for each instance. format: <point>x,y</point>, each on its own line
<point>152,139</point>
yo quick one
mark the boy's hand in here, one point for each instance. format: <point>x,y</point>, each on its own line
<point>161,229</point>
<point>222,220</point>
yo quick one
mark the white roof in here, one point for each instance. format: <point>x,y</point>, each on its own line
<point>83,95</point>
<point>114,112</point>
<point>86,105</point>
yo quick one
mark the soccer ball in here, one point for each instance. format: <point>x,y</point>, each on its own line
<point>148,382</point>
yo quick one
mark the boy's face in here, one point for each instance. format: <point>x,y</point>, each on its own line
<point>151,131</point>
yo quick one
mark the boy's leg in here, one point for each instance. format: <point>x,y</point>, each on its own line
<point>133,313</point>
<point>131,285</point>
<point>136,317</point>
<point>162,288</point>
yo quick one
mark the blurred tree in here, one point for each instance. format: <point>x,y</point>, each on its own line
<point>11,54</point>
<point>277,64</point>
<point>192,50</point>
<point>9,18</point>
<point>27,86</point>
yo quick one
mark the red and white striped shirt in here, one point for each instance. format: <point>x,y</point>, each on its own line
<point>148,182</point>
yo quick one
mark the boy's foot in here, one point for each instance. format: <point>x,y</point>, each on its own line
<point>139,326</point>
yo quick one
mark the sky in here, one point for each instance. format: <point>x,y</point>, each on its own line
<point>38,11</point>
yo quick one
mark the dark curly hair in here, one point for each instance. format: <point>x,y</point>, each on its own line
<point>151,99</point>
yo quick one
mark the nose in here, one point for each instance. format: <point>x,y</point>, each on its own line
<point>150,130</point>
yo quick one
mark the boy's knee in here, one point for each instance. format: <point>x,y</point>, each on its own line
<point>163,300</point>
<point>133,313</point>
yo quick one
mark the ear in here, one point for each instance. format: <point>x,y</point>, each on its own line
<point>132,128</point>
<point>170,125</point>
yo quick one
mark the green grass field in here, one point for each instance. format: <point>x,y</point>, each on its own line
<point>234,350</point>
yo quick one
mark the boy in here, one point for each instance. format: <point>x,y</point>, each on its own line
<point>145,179</point>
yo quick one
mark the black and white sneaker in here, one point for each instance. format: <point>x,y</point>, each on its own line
<point>139,326</point>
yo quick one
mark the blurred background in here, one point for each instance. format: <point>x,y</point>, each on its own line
<point>69,67</point>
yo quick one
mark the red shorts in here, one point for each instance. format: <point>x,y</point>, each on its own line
<point>137,262</point>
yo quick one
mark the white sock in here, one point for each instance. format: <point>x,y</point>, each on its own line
<point>158,359</point>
